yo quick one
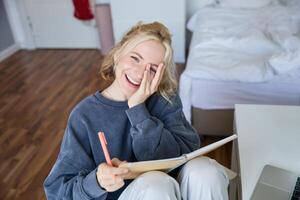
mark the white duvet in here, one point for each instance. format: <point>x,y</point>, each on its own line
<point>248,45</point>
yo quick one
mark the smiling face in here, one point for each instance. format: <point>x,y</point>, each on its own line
<point>131,66</point>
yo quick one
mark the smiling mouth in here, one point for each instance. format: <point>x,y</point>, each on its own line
<point>133,82</point>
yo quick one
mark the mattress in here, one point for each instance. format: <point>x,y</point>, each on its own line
<point>210,94</point>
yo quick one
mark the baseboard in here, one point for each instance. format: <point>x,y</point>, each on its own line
<point>9,51</point>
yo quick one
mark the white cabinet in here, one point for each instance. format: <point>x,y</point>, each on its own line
<point>171,13</point>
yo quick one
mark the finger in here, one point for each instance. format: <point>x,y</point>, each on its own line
<point>148,83</point>
<point>109,170</point>
<point>130,175</point>
<point>118,171</point>
<point>106,182</point>
<point>123,164</point>
<point>116,162</point>
<point>115,186</point>
<point>144,81</point>
<point>158,76</point>
<point>108,176</point>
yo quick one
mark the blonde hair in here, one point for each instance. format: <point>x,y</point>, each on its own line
<point>136,35</point>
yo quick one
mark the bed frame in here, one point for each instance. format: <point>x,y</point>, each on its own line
<point>213,122</point>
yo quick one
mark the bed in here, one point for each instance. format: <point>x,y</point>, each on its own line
<point>240,55</point>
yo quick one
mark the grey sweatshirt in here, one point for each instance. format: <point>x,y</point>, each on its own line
<point>152,130</point>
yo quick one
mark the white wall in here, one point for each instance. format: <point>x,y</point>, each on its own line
<point>21,30</point>
<point>125,14</point>
<point>191,5</point>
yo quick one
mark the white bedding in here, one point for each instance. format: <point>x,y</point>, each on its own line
<point>243,56</point>
<point>247,45</point>
<point>211,94</point>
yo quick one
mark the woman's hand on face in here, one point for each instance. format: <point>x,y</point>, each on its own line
<point>111,177</point>
<point>148,86</point>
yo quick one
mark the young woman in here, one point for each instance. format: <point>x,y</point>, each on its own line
<point>141,116</point>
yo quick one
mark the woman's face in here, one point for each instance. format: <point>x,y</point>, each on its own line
<point>131,66</point>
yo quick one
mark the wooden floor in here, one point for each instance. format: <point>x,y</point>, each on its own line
<point>38,89</point>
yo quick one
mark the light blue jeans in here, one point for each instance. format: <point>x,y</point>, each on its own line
<point>200,179</point>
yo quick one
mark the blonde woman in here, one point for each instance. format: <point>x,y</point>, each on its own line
<point>141,116</point>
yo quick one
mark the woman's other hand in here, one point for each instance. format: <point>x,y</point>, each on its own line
<point>148,86</point>
<point>111,177</point>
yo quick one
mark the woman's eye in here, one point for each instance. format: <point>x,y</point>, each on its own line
<point>135,58</point>
<point>153,70</point>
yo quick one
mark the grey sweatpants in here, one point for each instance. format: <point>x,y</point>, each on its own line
<point>200,179</point>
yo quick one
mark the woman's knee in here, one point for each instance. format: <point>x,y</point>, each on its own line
<point>154,177</point>
<point>157,182</point>
<point>205,170</point>
<point>152,185</point>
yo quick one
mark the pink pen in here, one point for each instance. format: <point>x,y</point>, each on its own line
<point>104,148</point>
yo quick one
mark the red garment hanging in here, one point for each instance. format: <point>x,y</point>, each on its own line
<point>83,10</point>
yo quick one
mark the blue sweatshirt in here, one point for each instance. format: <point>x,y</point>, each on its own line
<point>152,130</point>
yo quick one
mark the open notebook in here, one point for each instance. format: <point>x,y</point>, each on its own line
<point>167,165</point>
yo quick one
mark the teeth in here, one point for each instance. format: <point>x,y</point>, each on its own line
<point>131,80</point>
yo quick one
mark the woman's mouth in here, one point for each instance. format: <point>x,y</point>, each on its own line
<point>132,81</point>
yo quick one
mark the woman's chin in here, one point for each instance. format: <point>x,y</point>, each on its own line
<point>129,89</point>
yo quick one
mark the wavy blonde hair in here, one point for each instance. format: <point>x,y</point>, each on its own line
<point>136,35</point>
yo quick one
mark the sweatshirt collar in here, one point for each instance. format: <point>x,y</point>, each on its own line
<point>110,102</point>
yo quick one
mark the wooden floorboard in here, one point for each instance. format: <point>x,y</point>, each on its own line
<point>38,89</point>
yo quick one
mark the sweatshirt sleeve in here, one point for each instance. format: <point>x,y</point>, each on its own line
<point>166,136</point>
<point>73,175</point>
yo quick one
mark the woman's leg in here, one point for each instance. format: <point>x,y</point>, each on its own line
<point>203,179</point>
<point>152,185</point>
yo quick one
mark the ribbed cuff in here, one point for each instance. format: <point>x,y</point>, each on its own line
<point>91,185</point>
<point>137,114</point>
